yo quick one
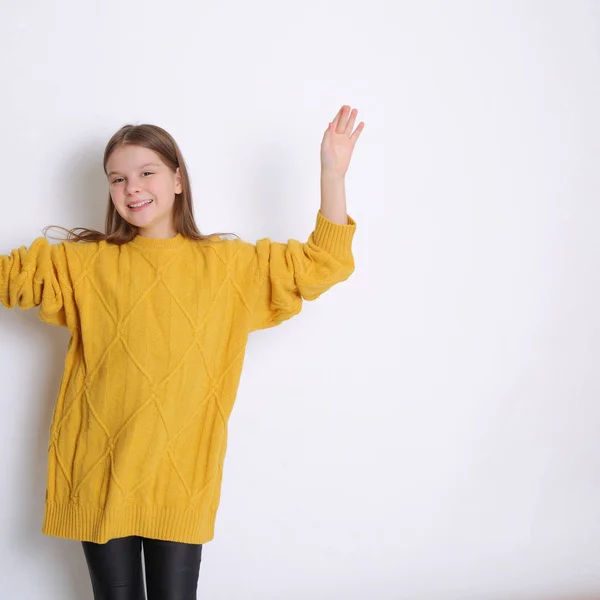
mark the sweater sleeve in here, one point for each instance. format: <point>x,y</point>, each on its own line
<point>286,274</point>
<point>36,276</point>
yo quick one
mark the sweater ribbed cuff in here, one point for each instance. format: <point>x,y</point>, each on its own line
<point>332,237</point>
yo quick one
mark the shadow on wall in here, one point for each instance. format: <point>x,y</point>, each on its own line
<point>84,193</point>
<point>29,466</point>
<point>83,198</point>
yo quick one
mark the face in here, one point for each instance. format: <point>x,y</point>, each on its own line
<point>136,175</point>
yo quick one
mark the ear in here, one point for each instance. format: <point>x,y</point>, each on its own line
<point>178,184</point>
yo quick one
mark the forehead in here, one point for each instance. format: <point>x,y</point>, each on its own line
<point>130,158</point>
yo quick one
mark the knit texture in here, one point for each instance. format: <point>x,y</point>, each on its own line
<point>158,334</point>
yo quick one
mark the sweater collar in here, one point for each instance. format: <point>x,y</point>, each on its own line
<point>146,242</point>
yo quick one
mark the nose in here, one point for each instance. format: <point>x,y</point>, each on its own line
<point>132,187</point>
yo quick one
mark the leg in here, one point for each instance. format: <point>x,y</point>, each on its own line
<point>116,568</point>
<point>172,569</point>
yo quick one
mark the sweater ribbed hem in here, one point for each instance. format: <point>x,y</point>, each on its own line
<point>95,525</point>
<point>333,237</point>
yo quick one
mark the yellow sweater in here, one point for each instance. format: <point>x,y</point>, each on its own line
<point>158,335</point>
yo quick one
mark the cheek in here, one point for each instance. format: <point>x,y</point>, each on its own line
<point>117,196</point>
<point>164,191</point>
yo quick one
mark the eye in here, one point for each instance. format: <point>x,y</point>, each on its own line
<point>117,180</point>
<point>149,173</point>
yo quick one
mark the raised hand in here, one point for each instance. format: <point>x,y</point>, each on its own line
<point>339,141</point>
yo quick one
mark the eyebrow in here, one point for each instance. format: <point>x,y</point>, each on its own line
<point>146,165</point>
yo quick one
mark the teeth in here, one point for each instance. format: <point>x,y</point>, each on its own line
<point>140,204</point>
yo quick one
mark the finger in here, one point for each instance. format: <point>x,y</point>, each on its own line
<point>342,119</point>
<point>357,132</point>
<point>351,121</point>
<point>337,118</point>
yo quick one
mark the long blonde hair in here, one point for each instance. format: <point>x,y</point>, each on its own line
<point>117,229</point>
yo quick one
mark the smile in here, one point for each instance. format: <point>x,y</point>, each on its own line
<point>139,205</point>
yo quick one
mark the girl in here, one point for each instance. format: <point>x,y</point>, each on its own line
<point>159,317</point>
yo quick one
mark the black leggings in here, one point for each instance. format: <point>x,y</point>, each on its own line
<point>172,569</point>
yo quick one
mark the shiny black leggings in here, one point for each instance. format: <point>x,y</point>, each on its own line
<point>172,569</point>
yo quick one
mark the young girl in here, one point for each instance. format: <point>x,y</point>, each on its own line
<point>159,317</point>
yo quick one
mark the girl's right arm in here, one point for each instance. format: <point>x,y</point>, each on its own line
<point>37,276</point>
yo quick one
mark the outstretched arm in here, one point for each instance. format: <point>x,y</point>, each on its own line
<point>36,276</point>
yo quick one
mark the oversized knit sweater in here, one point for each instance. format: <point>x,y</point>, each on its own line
<point>159,329</point>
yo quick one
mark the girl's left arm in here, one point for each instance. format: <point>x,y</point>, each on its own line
<point>277,276</point>
<point>336,151</point>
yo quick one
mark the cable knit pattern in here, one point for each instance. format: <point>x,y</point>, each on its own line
<point>158,334</point>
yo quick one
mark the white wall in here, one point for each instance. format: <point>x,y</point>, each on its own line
<point>428,430</point>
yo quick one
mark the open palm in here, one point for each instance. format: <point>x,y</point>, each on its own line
<point>339,141</point>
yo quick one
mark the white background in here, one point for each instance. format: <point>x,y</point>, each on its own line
<point>427,430</point>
